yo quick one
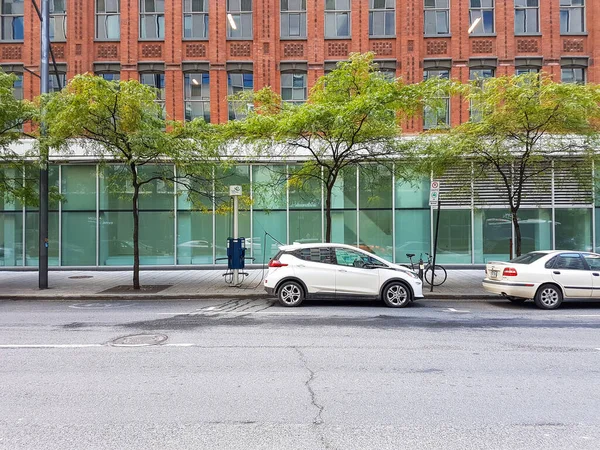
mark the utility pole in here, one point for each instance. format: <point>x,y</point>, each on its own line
<point>43,213</point>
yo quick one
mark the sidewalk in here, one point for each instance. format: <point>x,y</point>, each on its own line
<point>184,284</point>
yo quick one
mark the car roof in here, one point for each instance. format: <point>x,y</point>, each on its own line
<point>297,246</point>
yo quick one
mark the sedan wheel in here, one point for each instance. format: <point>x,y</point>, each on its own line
<point>548,297</point>
<point>290,294</point>
<point>396,295</point>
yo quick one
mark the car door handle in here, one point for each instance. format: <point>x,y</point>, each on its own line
<point>596,274</point>
<point>300,265</point>
<point>556,272</point>
<point>342,270</point>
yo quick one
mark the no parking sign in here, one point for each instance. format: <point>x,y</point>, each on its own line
<point>434,193</point>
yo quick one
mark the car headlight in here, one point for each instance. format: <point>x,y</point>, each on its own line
<point>411,274</point>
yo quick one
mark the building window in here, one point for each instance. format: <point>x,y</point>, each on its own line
<point>11,16</point>
<point>479,75</point>
<point>572,16</point>
<point>437,17</point>
<point>236,83</point>
<point>572,75</point>
<point>156,81</point>
<point>18,87</point>
<point>382,17</point>
<point>337,18</point>
<point>525,70</point>
<point>195,19</point>
<point>108,22</point>
<point>239,19</point>
<point>152,19</point>
<point>437,116</point>
<point>293,18</point>
<point>527,18</point>
<point>197,96</point>
<point>482,11</point>
<point>293,87</point>
<point>58,20</point>
<point>110,76</point>
<point>57,83</point>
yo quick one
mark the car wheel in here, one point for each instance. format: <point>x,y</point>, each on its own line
<point>396,295</point>
<point>290,294</point>
<point>516,299</point>
<point>548,296</point>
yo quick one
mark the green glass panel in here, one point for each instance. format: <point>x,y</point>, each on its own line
<point>10,176</point>
<point>536,229</point>
<point>79,188</point>
<point>573,228</point>
<point>375,187</point>
<point>156,242</point>
<point>305,193</point>
<point>115,188</point>
<point>11,239</point>
<point>224,230</point>
<point>269,187</point>
<point>274,223</point>
<point>78,239</point>
<point>344,190</point>
<point>305,226</point>
<point>413,233</point>
<point>343,227</point>
<point>32,175</point>
<point>194,237</point>
<point>376,232</point>
<point>157,194</point>
<point>32,239</point>
<point>412,194</point>
<point>454,236</point>
<point>493,233</point>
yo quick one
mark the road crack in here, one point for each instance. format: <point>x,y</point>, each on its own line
<point>318,420</point>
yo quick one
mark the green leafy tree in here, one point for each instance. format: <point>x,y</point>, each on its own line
<point>524,127</point>
<point>121,123</point>
<point>352,118</point>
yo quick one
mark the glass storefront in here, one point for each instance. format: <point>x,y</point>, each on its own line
<point>92,224</point>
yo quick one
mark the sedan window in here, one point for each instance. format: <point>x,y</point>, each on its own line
<point>316,254</point>
<point>571,261</point>
<point>528,258</point>
<point>592,260</point>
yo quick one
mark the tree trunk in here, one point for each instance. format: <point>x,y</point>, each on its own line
<point>515,221</point>
<point>328,190</point>
<point>136,231</point>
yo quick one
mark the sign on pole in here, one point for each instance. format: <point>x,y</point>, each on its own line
<point>434,193</point>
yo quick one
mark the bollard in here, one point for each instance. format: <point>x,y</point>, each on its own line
<point>421,267</point>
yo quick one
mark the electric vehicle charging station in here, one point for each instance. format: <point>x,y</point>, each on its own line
<point>236,246</point>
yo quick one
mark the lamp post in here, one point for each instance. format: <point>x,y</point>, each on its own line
<point>43,212</point>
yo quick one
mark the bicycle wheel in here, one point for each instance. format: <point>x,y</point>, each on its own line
<point>439,275</point>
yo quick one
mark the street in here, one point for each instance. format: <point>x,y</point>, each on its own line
<point>250,374</point>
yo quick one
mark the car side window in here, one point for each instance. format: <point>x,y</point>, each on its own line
<point>350,258</point>
<point>550,263</point>
<point>569,261</point>
<point>316,254</point>
<point>592,260</point>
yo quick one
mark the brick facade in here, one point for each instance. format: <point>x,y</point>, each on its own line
<point>266,50</point>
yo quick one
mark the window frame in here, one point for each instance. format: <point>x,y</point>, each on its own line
<point>205,101</point>
<point>161,91</point>
<point>335,13</point>
<point>105,15</point>
<point>293,89</point>
<point>481,9</point>
<point>573,68</point>
<point>231,103</point>
<point>570,8</point>
<point>526,9</point>
<point>446,99</point>
<point>191,14</point>
<point>4,15</point>
<point>482,81</point>
<point>240,13</point>
<point>157,15</point>
<point>384,11</point>
<point>287,13</point>
<point>436,9</point>
<point>53,17</point>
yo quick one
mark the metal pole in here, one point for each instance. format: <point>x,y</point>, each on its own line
<point>43,212</point>
<point>437,230</point>
<point>235,236</point>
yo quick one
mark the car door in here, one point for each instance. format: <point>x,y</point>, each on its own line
<point>316,268</point>
<point>352,277</point>
<point>593,262</point>
<point>572,273</point>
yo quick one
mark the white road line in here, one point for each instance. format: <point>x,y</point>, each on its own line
<point>457,311</point>
<point>580,315</point>
<point>178,345</point>
<point>216,313</point>
<point>50,345</point>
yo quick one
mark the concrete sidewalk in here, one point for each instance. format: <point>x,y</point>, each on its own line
<point>184,284</point>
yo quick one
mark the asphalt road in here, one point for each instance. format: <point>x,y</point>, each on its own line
<point>247,374</point>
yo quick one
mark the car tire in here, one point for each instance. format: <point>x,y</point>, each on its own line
<point>548,296</point>
<point>516,299</point>
<point>290,294</point>
<point>396,295</point>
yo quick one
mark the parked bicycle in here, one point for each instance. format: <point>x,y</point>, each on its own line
<point>436,276</point>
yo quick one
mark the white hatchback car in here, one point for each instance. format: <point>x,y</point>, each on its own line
<point>546,276</point>
<point>303,271</point>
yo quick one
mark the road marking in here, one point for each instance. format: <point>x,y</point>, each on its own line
<point>457,311</point>
<point>581,315</point>
<point>50,345</point>
<point>215,313</point>
<point>178,345</point>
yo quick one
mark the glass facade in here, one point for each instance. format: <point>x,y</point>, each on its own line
<point>92,225</point>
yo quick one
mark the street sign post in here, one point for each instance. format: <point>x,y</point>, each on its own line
<point>434,201</point>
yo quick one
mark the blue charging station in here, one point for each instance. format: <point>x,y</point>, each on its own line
<point>236,253</point>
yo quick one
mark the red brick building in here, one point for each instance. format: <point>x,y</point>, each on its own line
<point>194,48</point>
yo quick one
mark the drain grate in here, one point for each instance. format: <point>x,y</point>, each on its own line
<point>139,340</point>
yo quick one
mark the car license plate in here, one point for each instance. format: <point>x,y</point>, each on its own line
<point>494,273</point>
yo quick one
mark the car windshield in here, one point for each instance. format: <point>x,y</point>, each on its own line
<point>528,258</point>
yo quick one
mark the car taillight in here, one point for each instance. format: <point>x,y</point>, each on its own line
<point>509,272</point>
<point>275,263</point>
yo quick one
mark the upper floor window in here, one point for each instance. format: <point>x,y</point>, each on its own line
<point>481,16</point>
<point>293,18</point>
<point>525,70</point>
<point>293,87</point>
<point>11,16</point>
<point>152,19</point>
<point>527,16</point>
<point>108,23</point>
<point>18,87</point>
<point>382,17</point>
<point>479,75</point>
<point>195,19</point>
<point>437,116</point>
<point>437,17</point>
<point>239,82</point>
<point>572,75</point>
<point>239,19</point>
<point>197,96</point>
<point>572,16</point>
<point>157,81</point>
<point>58,20</point>
<point>337,18</point>
<point>57,82</point>
<point>110,76</point>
